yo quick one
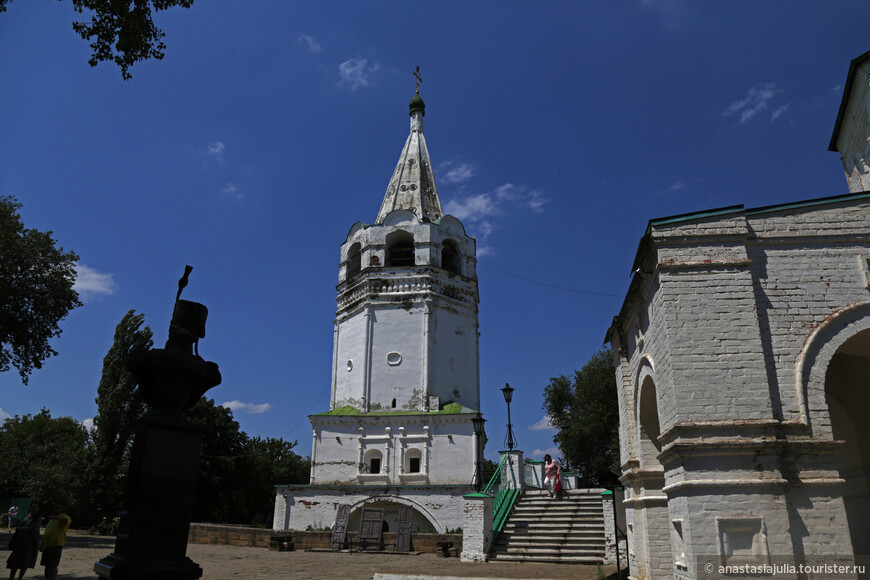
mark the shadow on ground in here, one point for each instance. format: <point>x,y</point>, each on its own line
<point>101,542</point>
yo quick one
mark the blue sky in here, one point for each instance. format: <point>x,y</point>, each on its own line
<point>556,130</point>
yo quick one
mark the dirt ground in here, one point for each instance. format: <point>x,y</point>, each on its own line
<point>219,562</point>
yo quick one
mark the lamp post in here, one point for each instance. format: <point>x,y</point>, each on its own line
<point>477,422</point>
<point>508,393</point>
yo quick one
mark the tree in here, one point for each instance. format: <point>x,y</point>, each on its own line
<point>236,473</point>
<point>119,406</point>
<point>123,31</point>
<point>44,458</point>
<point>585,412</point>
<point>36,291</point>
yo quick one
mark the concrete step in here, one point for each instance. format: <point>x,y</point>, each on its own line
<point>560,559</point>
<point>549,550</point>
<point>525,511</point>
<point>569,529</point>
<point>558,527</point>
<point>510,544</point>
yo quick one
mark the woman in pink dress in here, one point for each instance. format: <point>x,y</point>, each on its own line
<point>552,471</point>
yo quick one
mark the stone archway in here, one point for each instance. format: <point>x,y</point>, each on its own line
<point>847,394</point>
<point>421,520</point>
<point>651,519</point>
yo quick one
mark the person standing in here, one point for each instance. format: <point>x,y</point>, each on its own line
<point>12,514</point>
<point>53,540</point>
<point>552,472</point>
<point>26,544</point>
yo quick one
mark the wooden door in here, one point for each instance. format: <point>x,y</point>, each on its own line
<point>339,530</point>
<point>371,527</point>
<point>403,535</point>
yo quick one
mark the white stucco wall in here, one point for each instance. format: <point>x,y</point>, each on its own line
<point>297,507</point>
<point>341,444</point>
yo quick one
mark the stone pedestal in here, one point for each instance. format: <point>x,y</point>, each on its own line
<point>513,472</point>
<point>477,528</point>
<point>155,521</point>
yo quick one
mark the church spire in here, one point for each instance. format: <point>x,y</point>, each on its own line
<point>412,186</point>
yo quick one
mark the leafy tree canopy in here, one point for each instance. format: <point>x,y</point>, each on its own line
<point>44,458</point>
<point>119,406</point>
<point>585,411</point>
<point>36,291</point>
<point>121,31</point>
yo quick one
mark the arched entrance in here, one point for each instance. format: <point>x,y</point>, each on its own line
<point>651,516</point>
<point>419,522</point>
<point>847,394</point>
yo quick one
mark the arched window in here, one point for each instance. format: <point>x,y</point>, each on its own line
<point>400,249</point>
<point>373,461</point>
<point>450,257</point>
<point>353,261</point>
<point>413,461</point>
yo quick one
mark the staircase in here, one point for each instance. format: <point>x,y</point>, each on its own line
<point>540,529</point>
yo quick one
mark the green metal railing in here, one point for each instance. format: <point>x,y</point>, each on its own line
<point>504,498</point>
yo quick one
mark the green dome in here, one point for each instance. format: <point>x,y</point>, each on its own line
<point>417,104</point>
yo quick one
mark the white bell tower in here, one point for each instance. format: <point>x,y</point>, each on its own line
<point>406,329</point>
<point>405,376</point>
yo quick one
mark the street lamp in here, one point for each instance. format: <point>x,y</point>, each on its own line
<point>508,393</point>
<point>477,422</point>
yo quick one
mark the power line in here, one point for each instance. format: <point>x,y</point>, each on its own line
<point>539,283</point>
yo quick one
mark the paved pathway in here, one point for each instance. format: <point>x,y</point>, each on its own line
<point>221,562</point>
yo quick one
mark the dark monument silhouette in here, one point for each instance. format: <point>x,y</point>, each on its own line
<point>155,521</point>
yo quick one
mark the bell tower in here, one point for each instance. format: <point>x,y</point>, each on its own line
<point>405,392</point>
<point>406,327</point>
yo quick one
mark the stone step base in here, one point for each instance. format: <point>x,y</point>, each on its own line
<point>548,559</point>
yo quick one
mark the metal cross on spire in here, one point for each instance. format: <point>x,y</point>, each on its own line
<point>419,79</point>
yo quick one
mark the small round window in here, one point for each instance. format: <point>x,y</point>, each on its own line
<point>349,365</point>
<point>394,358</point>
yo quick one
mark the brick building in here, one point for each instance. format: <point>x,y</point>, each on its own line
<point>742,355</point>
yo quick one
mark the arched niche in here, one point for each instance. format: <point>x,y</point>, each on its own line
<point>354,260</point>
<point>400,249</point>
<point>451,257</point>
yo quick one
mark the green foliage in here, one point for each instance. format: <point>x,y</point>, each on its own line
<point>119,406</point>
<point>36,291</point>
<point>584,409</point>
<point>599,573</point>
<point>45,458</point>
<point>121,32</point>
<point>453,531</point>
<point>107,527</point>
<point>237,474</point>
<point>488,467</point>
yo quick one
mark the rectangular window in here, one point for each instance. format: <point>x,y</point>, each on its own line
<point>414,465</point>
<point>375,466</point>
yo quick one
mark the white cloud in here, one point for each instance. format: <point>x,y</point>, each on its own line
<point>312,44</point>
<point>232,190</point>
<point>472,208</point>
<point>483,251</point>
<point>249,408</point>
<point>536,201</point>
<point>756,101</point>
<point>216,148</point>
<point>551,451</point>
<point>4,415</point>
<point>779,112</point>
<point>458,174</point>
<point>88,424</point>
<point>543,425</point>
<point>678,185</point>
<point>357,73</point>
<point>480,210</point>
<point>91,284</point>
